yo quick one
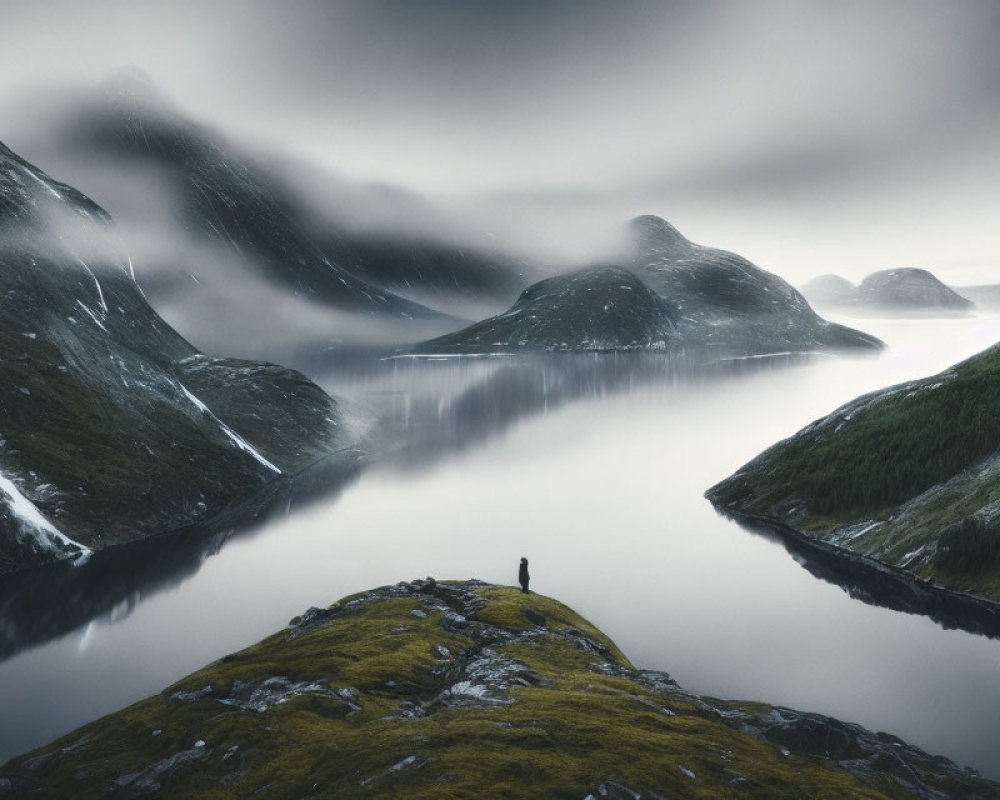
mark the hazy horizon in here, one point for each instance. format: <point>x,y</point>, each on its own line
<point>807,136</point>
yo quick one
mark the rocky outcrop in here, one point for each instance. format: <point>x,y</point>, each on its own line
<point>428,689</point>
<point>106,437</point>
<point>601,308</point>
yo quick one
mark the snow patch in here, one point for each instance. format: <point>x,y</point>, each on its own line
<point>92,315</point>
<point>238,440</point>
<point>46,534</point>
<point>97,283</point>
<point>45,184</point>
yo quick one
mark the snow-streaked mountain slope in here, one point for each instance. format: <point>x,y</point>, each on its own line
<point>108,427</point>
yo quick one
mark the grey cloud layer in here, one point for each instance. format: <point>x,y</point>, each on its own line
<point>680,101</point>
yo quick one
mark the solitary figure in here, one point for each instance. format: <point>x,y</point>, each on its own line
<point>522,575</point>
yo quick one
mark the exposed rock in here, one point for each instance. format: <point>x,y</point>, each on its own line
<point>149,780</point>
<point>220,193</point>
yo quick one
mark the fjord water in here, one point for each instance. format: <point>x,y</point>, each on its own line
<point>593,467</point>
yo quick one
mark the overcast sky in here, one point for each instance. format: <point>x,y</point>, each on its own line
<point>810,135</point>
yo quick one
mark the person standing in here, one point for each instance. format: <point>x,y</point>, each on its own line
<point>522,575</point>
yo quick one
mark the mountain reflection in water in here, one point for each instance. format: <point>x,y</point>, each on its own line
<point>467,402</point>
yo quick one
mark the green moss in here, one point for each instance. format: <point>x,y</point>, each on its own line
<point>511,609</point>
<point>582,719</point>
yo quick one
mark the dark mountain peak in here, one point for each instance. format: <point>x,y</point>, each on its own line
<point>726,301</point>
<point>602,278</point>
<point>222,196</point>
<point>597,308</point>
<point>650,236</point>
<point>131,87</point>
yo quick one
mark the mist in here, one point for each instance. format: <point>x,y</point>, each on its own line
<point>809,137</point>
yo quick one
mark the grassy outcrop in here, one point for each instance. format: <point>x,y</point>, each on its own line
<point>908,475</point>
<point>441,690</point>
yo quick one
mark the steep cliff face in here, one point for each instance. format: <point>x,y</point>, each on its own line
<point>103,435</point>
<point>725,301</point>
<point>431,690</point>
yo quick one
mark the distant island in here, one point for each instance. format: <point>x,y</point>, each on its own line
<point>905,291</point>
<point>669,293</point>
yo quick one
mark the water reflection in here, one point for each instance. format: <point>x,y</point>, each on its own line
<point>431,408</point>
<point>39,605</point>
<point>428,411</point>
<point>879,584</point>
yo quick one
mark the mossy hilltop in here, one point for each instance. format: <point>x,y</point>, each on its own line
<point>908,475</point>
<point>464,690</point>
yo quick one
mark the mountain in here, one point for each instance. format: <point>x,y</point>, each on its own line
<point>726,302</point>
<point>909,289</point>
<point>113,427</point>
<point>829,290</point>
<point>601,308</point>
<point>907,477</point>
<point>674,295</point>
<point>895,291</point>
<point>220,195</point>
<point>250,252</point>
<point>430,690</point>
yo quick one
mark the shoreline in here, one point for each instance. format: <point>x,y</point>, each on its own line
<point>874,581</point>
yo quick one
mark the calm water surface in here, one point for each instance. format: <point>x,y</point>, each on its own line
<point>594,469</point>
